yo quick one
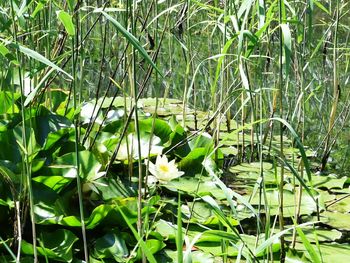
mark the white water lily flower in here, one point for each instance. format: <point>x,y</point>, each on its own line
<point>151,181</point>
<point>132,147</point>
<point>87,112</point>
<point>163,170</point>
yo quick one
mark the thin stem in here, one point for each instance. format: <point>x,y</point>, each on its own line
<point>281,183</point>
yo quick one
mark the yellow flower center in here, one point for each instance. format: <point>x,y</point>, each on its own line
<point>164,168</point>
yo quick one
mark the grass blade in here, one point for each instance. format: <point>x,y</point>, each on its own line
<point>313,254</point>
<point>179,237</point>
<point>35,55</point>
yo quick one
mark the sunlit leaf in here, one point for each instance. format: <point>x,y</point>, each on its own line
<point>67,22</point>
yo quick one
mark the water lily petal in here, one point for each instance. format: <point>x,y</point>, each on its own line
<point>163,170</point>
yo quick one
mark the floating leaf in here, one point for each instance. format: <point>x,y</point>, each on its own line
<point>329,182</point>
<point>55,245</point>
<point>341,204</point>
<point>56,183</point>
<point>336,220</point>
<point>196,187</point>
<point>111,246</point>
<point>89,165</point>
<point>307,207</point>
<point>322,235</point>
<point>332,252</point>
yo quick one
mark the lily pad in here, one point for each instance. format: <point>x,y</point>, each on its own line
<point>307,207</point>
<point>111,246</point>
<point>202,213</point>
<point>329,182</point>
<point>56,183</point>
<point>341,203</point>
<point>232,249</point>
<point>55,245</point>
<point>89,165</point>
<point>336,220</point>
<point>331,252</point>
<point>316,235</point>
<point>196,187</point>
<point>251,167</point>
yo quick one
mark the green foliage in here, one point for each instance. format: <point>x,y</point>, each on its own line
<point>89,98</point>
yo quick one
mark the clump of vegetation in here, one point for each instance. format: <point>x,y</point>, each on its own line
<point>174,131</point>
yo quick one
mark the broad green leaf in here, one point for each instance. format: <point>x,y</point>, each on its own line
<point>89,165</point>
<point>287,46</point>
<point>167,230</point>
<point>329,181</point>
<point>8,102</point>
<point>251,167</point>
<point>201,212</point>
<point>215,248</point>
<point>55,138</point>
<point>153,245</point>
<point>196,187</point>
<point>336,220</point>
<point>45,200</point>
<point>331,252</point>
<point>67,22</point>
<point>192,163</point>
<point>27,133</point>
<point>340,203</point>
<point>307,207</point>
<point>57,245</point>
<point>8,175</point>
<point>7,54</point>
<point>8,142</point>
<point>56,183</point>
<point>229,193</point>
<point>50,215</point>
<point>218,211</point>
<point>116,188</point>
<point>111,246</point>
<point>161,128</point>
<point>46,123</point>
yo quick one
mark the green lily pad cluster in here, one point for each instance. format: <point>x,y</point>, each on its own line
<point>203,208</point>
<point>43,147</point>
